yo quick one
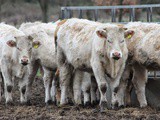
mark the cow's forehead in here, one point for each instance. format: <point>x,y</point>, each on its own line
<point>116,35</point>
<point>22,41</point>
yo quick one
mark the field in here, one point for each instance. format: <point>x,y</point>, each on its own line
<point>39,111</point>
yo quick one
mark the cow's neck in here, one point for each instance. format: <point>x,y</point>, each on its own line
<point>114,67</point>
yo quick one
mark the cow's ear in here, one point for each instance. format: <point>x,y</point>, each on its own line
<point>36,44</point>
<point>102,33</point>
<point>11,43</point>
<point>128,34</point>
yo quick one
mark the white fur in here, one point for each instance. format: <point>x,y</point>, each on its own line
<point>11,67</point>
<point>79,45</point>
<point>45,53</point>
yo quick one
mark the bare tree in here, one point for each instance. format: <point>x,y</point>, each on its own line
<point>44,8</point>
<point>120,12</point>
<point>1,3</point>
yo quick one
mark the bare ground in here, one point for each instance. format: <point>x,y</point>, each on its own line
<point>39,111</point>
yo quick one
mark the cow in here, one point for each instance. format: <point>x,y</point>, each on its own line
<point>134,65</point>
<point>84,84</point>
<point>43,55</point>
<point>92,47</point>
<point>15,55</point>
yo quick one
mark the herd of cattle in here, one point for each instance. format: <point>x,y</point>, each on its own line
<point>88,57</point>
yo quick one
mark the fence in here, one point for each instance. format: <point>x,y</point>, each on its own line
<point>67,12</point>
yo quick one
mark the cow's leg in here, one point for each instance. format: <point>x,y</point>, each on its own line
<point>33,68</point>
<point>86,88</point>
<point>53,90</point>
<point>8,84</point>
<point>121,90</point>
<point>1,86</point>
<point>78,76</point>
<point>22,88</point>
<point>65,75</point>
<point>139,82</point>
<point>48,76</point>
<point>94,87</point>
<point>101,81</point>
<point>128,91</point>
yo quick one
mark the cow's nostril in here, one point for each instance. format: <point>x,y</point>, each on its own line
<point>24,61</point>
<point>116,55</point>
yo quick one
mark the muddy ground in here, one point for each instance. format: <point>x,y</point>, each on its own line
<point>39,111</point>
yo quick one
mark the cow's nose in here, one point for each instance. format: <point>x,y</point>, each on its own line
<point>116,55</point>
<point>24,61</point>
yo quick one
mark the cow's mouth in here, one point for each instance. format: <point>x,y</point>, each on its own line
<point>116,58</point>
<point>24,63</point>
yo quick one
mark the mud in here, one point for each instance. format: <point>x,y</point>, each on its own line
<point>39,111</point>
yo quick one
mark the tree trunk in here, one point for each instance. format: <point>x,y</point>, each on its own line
<point>44,8</point>
<point>1,3</point>
<point>120,12</point>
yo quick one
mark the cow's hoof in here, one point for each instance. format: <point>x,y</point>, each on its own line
<point>49,102</point>
<point>103,105</point>
<point>115,106</point>
<point>28,103</point>
<point>121,106</point>
<point>79,105</point>
<point>63,105</point>
<point>128,105</point>
<point>9,103</point>
<point>70,102</point>
<point>95,102</point>
<point>54,103</point>
<point>87,104</point>
<point>143,106</point>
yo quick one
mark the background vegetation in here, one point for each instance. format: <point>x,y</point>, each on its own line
<point>18,11</point>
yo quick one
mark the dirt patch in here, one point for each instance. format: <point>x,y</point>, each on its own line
<point>39,111</point>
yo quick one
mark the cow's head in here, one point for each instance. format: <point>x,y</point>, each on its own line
<point>114,39</point>
<point>23,45</point>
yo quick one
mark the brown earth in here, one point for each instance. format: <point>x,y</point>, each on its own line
<point>39,111</point>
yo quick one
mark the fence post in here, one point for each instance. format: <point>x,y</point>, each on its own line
<point>65,13</point>
<point>80,13</point>
<point>132,14</point>
<point>70,13</point>
<point>113,13</point>
<point>62,14</point>
<point>149,14</point>
<point>96,15</point>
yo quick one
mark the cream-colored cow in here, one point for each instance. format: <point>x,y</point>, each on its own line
<point>93,47</point>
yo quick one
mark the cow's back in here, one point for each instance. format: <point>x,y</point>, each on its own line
<point>147,52</point>
<point>45,35</point>
<point>75,37</point>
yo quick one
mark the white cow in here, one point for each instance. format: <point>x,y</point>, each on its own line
<point>135,65</point>
<point>43,54</point>
<point>93,47</point>
<point>15,53</point>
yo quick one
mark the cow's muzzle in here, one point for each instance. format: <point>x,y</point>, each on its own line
<point>24,60</point>
<point>116,55</point>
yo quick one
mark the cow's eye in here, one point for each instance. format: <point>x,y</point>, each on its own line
<point>121,41</point>
<point>29,49</point>
<point>19,49</point>
<point>109,41</point>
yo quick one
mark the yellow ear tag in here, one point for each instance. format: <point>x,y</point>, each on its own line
<point>129,36</point>
<point>35,46</point>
